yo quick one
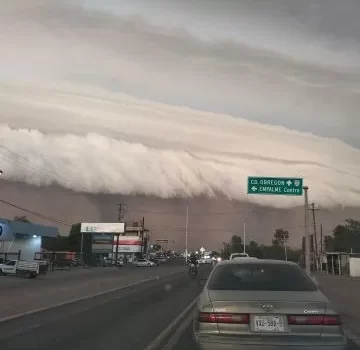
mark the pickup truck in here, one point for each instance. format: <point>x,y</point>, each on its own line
<point>25,268</point>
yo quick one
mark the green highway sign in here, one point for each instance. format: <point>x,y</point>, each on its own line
<point>286,186</point>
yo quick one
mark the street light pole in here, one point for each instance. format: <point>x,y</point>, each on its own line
<point>244,236</point>
<point>307,237</point>
<point>186,230</point>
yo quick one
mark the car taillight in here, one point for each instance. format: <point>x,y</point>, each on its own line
<point>212,317</point>
<point>325,320</point>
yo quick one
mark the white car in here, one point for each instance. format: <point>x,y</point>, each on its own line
<point>241,256</point>
<point>143,262</point>
<point>161,259</point>
<point>238,255</point>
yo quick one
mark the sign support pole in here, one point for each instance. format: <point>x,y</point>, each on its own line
<point>82,247</point>
<point>307,236</point>
<point>244,236</point>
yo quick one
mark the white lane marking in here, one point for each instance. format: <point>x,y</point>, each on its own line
<point>176,336</point>
<point>165,333</point>
<point>352,336</point>
<point>75,300</point>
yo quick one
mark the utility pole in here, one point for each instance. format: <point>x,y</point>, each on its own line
<point>313,209</point>
<point>186,230</point>
<point>285,249</point>
<point>315,235</point>
<point>142,236</point>
<point>307,240</point>
<point>121,210</point>
<point>321,238</point>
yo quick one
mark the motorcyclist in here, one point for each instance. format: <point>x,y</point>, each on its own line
<point>193,260</point>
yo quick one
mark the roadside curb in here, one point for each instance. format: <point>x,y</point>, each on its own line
<point>163,336</point>
<point>76,300</point>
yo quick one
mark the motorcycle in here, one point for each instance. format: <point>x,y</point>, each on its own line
<point>193,270</point>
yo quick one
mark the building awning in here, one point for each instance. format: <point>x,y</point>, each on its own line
<point>11,229</point>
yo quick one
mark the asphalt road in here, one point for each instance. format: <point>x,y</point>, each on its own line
<point>128,319</point>
<point>61,286</point>
<point>344,294</point>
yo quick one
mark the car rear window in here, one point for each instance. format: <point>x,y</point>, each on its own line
<point>260,277</point>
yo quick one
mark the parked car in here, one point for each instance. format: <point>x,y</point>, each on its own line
<point>143,262</point>
<point>265,304</point>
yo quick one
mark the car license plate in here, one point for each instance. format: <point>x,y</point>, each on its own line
<point>268,323</point>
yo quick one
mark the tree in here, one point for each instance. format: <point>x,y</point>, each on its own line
<point>281,237</point>
<point>157,247</point>
<point>74,238</point>
<point>253,249</point>
<point>225,251</point>
<point>329,243</point>
<point>236,245</point>
<point>22,219</point>
<point>347,237</point>
<point>55,244</point>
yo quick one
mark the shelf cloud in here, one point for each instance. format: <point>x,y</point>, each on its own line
<point>116,101</point>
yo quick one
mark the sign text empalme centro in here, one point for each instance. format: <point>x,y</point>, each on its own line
<point>275,186</point>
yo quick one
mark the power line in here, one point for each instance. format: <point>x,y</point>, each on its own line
<point>58,221</point>
<point>233,229</point>
<point>35,168</point>
<point>26,163</point>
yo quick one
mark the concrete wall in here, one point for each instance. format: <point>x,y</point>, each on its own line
<point>354,265</point>
<point>28,247</point>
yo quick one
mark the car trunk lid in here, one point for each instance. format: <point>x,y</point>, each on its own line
<point>273,308</point>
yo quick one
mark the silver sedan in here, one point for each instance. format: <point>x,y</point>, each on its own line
<point>265,305</point>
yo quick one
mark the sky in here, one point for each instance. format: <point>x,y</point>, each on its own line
<point>181,98</point>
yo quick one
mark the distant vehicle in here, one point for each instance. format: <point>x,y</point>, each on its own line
<point>119,263</point>
<point>143,262</point>
<point>155,261</point>
<point>239,255</point>
<point>265,304</point>
<point>25,268</point>
<point>161,259</point>
<point>207,260</point>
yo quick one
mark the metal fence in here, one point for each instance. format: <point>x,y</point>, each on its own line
<point>9,256</point>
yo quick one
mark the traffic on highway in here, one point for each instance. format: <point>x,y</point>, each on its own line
<point>242,303</point>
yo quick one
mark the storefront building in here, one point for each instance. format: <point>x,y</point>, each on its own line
<point>22,240</point>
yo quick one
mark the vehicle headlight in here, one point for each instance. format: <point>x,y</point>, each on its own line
<point>218,259</point>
